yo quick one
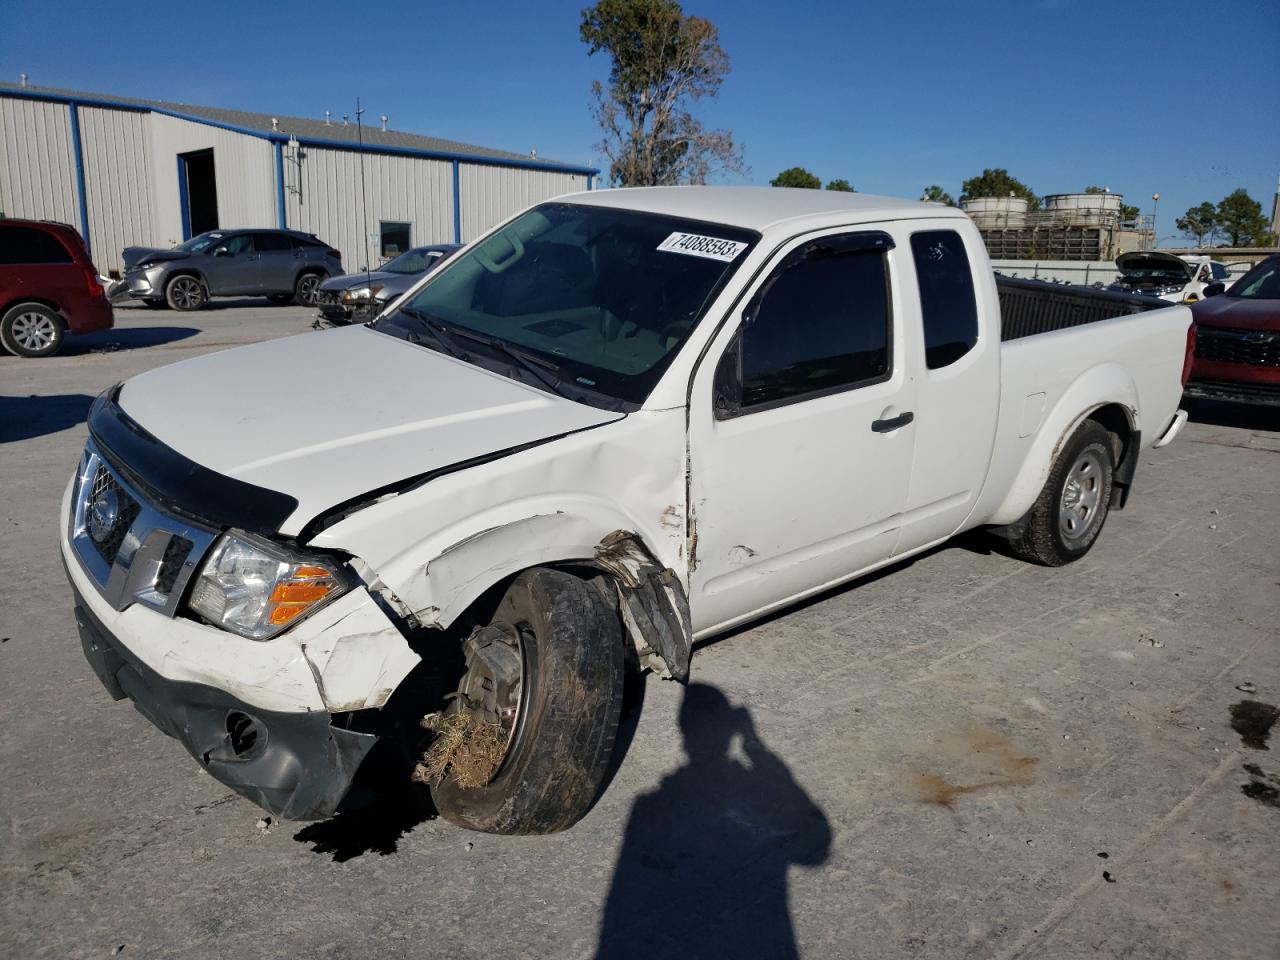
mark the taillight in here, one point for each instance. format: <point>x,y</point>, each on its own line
<point>1191,353</point>
<point>336,254</point>
<point>95,286</point>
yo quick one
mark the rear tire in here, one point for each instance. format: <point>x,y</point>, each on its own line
<point>304,292</point>
<point>32,330</point>
<point>1064,522</point>
<point>185,293</point>
<point>566,719</point>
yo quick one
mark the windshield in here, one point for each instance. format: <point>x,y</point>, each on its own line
<point>411,261</point>
<point>600,297</point>
<point>201,242</point>
<point>1260,283</point>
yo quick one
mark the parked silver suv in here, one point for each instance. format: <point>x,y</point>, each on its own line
<point>283,265</point>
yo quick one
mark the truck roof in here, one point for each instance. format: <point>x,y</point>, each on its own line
<point>759,208</point>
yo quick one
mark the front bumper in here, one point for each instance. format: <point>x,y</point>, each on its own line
<point>297,766</point>
<point>1238,391</point>
<point>334,311</point>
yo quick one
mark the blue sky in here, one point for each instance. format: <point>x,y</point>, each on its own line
<point>1179,98</point>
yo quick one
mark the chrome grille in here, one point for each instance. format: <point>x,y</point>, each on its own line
<point>104,485</point>
<point>1258,348</point>
<point>133,551</point>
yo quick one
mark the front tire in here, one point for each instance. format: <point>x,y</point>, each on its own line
<point>563,709</point>
<point>185,293</point>
<point>32,330</point>
<point>1064,522</point>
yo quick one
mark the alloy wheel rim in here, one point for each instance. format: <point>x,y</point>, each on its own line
<point>34,331</point>
<point>307,290</point>
<point>1081,500</point>
<point>186,292</point>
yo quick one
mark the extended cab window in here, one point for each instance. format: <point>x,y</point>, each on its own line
<point>821,325</point>
<point>26,245</point>
<point>947,305</point>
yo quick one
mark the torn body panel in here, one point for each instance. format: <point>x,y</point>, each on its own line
<point>439,547</point>
<point>359,659</point>
<point>653,605</point>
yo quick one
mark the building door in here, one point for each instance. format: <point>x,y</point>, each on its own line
<point>197,192</point>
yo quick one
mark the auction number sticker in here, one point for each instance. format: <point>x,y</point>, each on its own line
<point>693,245</point>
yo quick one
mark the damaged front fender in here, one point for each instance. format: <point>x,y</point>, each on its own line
<point>653,605</point>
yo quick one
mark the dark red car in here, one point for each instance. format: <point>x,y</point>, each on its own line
<point>48,288</point>
<point>1238,340</point>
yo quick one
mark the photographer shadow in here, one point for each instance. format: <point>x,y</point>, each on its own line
<point>704,860</point>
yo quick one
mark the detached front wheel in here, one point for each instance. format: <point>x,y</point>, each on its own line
<point>524,744</point>
<point>1068,515</point>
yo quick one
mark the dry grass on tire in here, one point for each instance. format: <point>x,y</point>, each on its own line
<point>465,750</point>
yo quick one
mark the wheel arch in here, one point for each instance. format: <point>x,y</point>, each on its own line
<point>451,587</point>
<point>1105,393</point>
<point>41,301</point>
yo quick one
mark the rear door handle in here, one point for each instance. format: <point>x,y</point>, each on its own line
<point>893,423</point>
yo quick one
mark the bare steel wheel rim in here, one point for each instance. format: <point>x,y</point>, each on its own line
<point>1081,501</point>
<point>34,331</point>
<point>307,289</point>
<point>186,292</point>
<point>493,688</point>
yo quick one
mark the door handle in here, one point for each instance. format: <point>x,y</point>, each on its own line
<point>893,423</point>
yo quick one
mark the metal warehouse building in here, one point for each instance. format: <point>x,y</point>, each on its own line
<point>131,172</point>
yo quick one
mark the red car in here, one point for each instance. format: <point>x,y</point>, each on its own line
<point>48,288</point>
<point>1238,340</point>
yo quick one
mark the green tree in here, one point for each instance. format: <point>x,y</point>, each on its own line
<point>1241,221</point>
<point>796,177</point>
<point>844,186</point>
<point>1200,222</point>
<point>998,183</point>
<point>661,63</point>
<point>935,194</point>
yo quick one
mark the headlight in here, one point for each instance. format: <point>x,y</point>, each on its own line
<point>256,588</point>
<point>361,293</point>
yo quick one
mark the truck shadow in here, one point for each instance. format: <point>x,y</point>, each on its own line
<point>384,805</point>
<point>23,418</point>
<point>707,853</point>
<point>1224,413</point>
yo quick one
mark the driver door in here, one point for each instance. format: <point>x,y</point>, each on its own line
<point>233,267</point>
<point>800,431</point>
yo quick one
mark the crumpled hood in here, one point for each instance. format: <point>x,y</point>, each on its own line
<point>328,416</point>
<point>1237,313</point>
<point>349,281</point>
<point>135,255</point>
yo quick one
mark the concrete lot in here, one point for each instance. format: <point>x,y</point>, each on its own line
<point>962,757</point>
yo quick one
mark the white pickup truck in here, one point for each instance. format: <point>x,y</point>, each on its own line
<point>622,421</point>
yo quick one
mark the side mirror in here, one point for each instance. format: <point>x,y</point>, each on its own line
<point>223,252</point>
<point>1215,288</point>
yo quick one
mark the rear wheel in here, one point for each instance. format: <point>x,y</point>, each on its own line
<point>31,330</point>
<point>305,289</point>
<point>185,293</point>
<point>1068,515</point>
<point>544,686</point>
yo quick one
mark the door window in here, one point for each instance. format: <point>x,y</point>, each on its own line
<point>240,244</point>
<point>821,324</point>
<point>26,245</point>
<point>948,309</point>
<point>272,243</point>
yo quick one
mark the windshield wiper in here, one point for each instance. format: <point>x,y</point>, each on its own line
<point>527,362</point>
<point>434,326</point>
